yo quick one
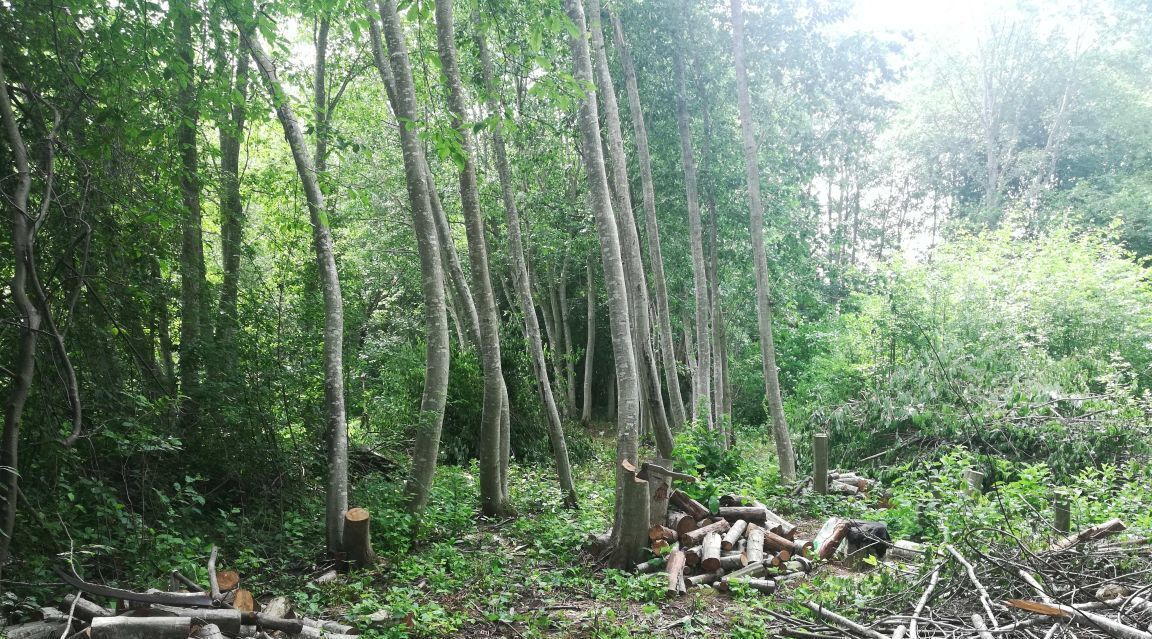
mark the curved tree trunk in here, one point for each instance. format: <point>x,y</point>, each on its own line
<point>756,223</point>
<point>702,378</point>
<point>629,532</point>
<point>492,497</point>
<point>419,483</point>
<point>524,288</point>
<point>337,427</point>
<point>636,280</point>
<point>655,252</point>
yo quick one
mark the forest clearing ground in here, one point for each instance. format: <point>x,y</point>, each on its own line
<point>530,576</point>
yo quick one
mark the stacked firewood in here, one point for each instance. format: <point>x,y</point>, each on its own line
<point>849,483</point>
<point>743,542</point>
<point>186,609</point>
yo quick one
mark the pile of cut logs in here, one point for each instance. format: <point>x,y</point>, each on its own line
<point>224,609</point>
<point>849,483</point>
<point>743,542</point>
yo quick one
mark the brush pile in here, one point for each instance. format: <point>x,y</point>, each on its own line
<point>186,609</point>
<point>1077,587</point>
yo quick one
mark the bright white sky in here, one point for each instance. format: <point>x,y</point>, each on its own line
<point>924,18</point>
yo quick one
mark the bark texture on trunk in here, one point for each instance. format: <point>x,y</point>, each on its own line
<point>719,340</point>
<point>492,497</point>
<point>590,344</point>
<point>756,213</point>
<point>702,377</point>
<point>435,393</point>
<point>336,502</point>
<point>523,286</point>
<point>192,274</point>
<point>655,251</point>
<point>231,214</point>
<point>636,280</point>
<point>630,523</point>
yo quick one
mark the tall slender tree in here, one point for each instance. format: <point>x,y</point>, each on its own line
<point>702,376</point>
<point>629,531</point>
<point>636,281</point>
<point>435,394</point>
<point>232,127</point>
<point>492,496</point>
<point>520,278</point>
<point>652,227</point>
<point>784,452</point>
<point>336,503</point>
<point>590,343</point>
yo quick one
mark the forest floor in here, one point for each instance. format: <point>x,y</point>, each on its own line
<point>530,576</point>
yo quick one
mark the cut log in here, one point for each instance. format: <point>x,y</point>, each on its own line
<point>734,533</point>
<point>681,522</point>
<point>208,631</point>
<point>35,630</point>
<point>755,545</point>
<point>1110,527</point>
<point>278,608</point>
<point>837,487</point>
<point>688,505</point>
<point>710,557</point>
<point>358,538</point>
<point>830,537</point>
<point>751,514</point>
<point>843,622</point>
<point>763,586</point>
<point>674,569</point>
<point>85,609</point>
<point>776,543</point>
<point>226,619</point>
<point>704,578</point>
<point>660,531</point>
<point>227,579</point>
<point>650,566</point>
<point>188,583</point>
<point>333,627</point>
<point>820,463</point>
<point>907,552</point>
<point>659,474</point>
<point>733,562</point>
<point>692,556</point>
<point>327,577</point>
<point>213,583</point>
<point>778,525</point>
<point>140,628</point>
<point>784,555</point>
<point>244,601</point>
<point>734,500</point>
<point>696,536</point>
<point>752,570</point>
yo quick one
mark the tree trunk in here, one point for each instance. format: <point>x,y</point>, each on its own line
<point>437,361</point>
<point>192,284</point>
<point>702,377</point>
<point>231,214</point>
<point>523,287</point>
<point>590,344</point>
<point>29,324</point>
<point>629,242</point>
<point>450,262</point>
<point>629,523</point>
<point>336,502</point>
<point>566,333</point>
<point>492,497</point>
<point>756,212</point>
<point>719,346</point>
<point>655,252</point>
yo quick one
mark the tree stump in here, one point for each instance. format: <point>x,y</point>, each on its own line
<point>358,538</point>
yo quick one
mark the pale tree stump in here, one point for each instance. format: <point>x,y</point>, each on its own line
<point>358,538</point>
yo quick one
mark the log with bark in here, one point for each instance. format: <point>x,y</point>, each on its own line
<point>696,536</point>
<point>674,570</point>
<point>688,505</point>
<point>710,557</point>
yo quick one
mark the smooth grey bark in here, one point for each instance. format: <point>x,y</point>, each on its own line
<point>629,525</point>
<point>336,501</point>
<point>555,348</point>
<point>566,333</point>
<point>636,280</point>
<point>427,446</point>
<point>702,377</point>
<point>29,324</point>
<point>450,263</point>
<point>192,273</point>
<point>589,345</point>
<point>652,227</point>
<point>784,452</point>
<point>231,212</point>
<point>493,499</point>
<point>719,340</point>
<point>523,286</point>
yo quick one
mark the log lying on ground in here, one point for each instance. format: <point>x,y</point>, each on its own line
<point>330,626</point>
<point>681,522</point>
<point>752,514</point>
<point>674,569</point>
<point>278,608</point>
<point>35,630</point>
<point>710,555</point>
<point>763,586</point>
<point>227,580</point>
<point>688,505</point>
<point>85,609</point>
<point>662,532</point>
<point>208,631</point>
<point>227,620</point>
<point>650,566</point>
<point>1110,527</point>
<point>733,535</point>
<point>696,536</point>
<point>776,543</point>
<point>733,562</point>
<point>1081,617</point>
<point>755,546</point>
<point>140,628</point>
<point>704,578</point>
